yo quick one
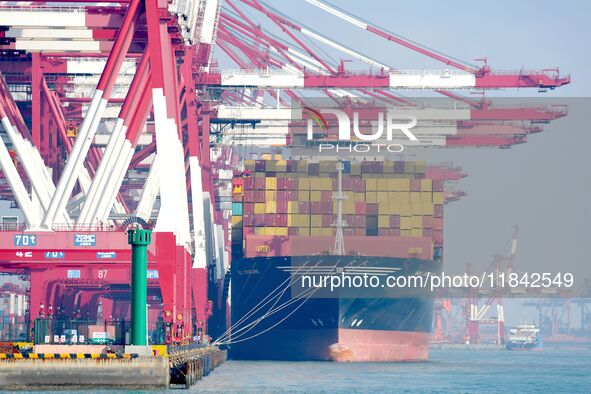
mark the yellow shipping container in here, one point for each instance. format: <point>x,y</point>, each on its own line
<point>259,208</point>
<point>315,184</point>
<point>426,185</point>
<point>304,183</point>
<point>316,221</point>
<point>404,197</point>
<point>293,206</point>
<point>271,183</point>
<point>271,207</point>
<point>280,231</point>
<point>405,209</point>
<point>388,167</point>
<point>316,232</point>
<point>420,167</point>
<point>249,165</point>
<point>271,166</point>
<point>416,208</point>
<point>267,156</point>
<point>405,222</point>
<point>303,195</point>
<point>326,183</point>
<point>355,168</point>
<point>384,208</point>
<point>417,222</point>
<point>404,184</point>
<point>260,231</point>
<point>382,197</point>
<point>327,231</point>
<point>371,197</point>
<point>304,231</point>
<point>302,166</point>
<point>426,196</point>
<point>303,220</point>
<point>236,221</point>
<point>405,233</point>
<point>384,221</point>
<point>438,198</point>
<point>409,167</point>
<point>371,184</point>
<point>416,232</point>
<point>349,208</point>
<point>359,197</point>
<point>415,197</point>
<point>315,195</point>
<point>270,195</point>
<point>281,165</point>
<point>428,209</point>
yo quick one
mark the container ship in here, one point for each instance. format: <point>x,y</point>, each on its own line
<point>293,216</point>
<point>524,337</point>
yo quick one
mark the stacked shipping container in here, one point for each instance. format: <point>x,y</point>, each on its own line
<point>281,198</point>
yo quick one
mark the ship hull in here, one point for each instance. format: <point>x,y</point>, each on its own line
<point>341,329</point>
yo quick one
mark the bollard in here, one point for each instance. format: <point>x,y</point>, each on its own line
<point>139,239</point>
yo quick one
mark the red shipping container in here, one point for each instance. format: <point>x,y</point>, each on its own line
<point>292,195</point>
<point>437,185</point>
<point>292,231</point>
<point>427,221</point>
<point>360,208</point>
<point>259,219</point>
<point>438,210</point>
<point>372,209</point>
<point>259,183</point>
<point>248,230</point>
<point>292,184</point>
<point>282,206</point>
<point>248,220</point>
<point>281,183</point>
<point>394,232</point>
<point>271,220</point>
<point>259,196</point>
<point>281,220</point>
<point>384,232</point>
<point>248,208</point>
<point>359,221</point>
<point>282,195</point>
<point>326,195</point>
<point>327,220</point>
<point>316,208</point>
<point>360,231</point>
<point>304,207</point>
<point>326,207</point>
<point>437,224</point>
<point>437,236</point>
<point>427,232</point>
<point>359,185</point>
<point>395,221</point>
<point>415,185</point>
<point>248,182</point>
<point>248,195</point>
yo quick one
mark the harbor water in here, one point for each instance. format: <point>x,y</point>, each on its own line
<point>447,371</point>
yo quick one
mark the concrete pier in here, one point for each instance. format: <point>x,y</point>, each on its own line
<point>141,372</point>
<point>182,365</point>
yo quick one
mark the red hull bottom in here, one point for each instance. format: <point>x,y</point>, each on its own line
<point>379,346</point>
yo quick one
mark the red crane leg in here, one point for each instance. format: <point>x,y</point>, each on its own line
<point>107,308</point>
<point>36,306</point>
